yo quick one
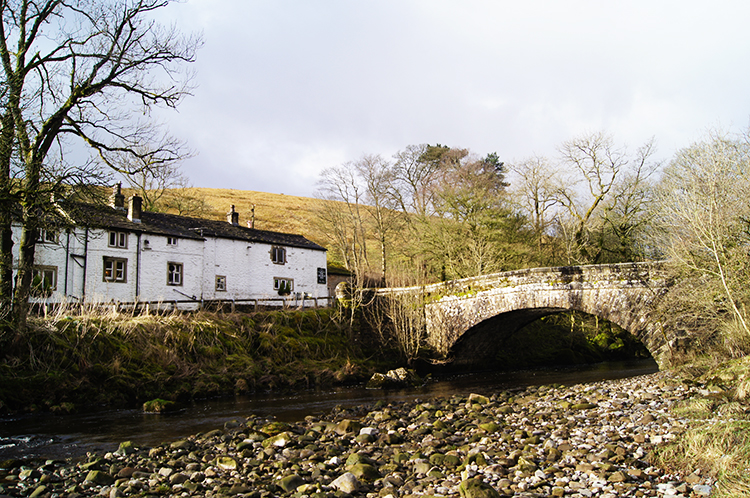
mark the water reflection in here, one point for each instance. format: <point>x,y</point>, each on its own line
<point>48,436</point>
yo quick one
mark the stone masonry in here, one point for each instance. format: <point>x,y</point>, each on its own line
<point>467,318</point>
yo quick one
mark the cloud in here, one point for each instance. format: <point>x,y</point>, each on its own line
<point>287,88</point>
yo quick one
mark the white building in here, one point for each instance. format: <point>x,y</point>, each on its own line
<point>124,254</point>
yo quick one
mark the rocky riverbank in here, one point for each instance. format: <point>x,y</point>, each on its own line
<point>580,441</point>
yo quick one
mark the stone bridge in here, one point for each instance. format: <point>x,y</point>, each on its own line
<point>467,319</point>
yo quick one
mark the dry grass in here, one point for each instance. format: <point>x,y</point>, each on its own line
<point>275,212</point>
<point>718,442</point>
<point>105,357</point>
<point>719,448</point>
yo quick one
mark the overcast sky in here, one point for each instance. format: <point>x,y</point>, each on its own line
<point>286,88</point>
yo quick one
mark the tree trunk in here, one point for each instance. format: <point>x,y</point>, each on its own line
<point>26,251</point>
<point>6,219</point>
<point>6,259</point>
<point>383,260</point>
<point>27,245</point>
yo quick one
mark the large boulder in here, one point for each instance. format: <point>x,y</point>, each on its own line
<point>397,378</point>
<point>279,440</point>
<point>476,488</point>
<point>291,483</point>
<point>347,427</point>
<point>347,483</point>
<point>100,478</point>
<point>160,406</point>
<point>364,471</point>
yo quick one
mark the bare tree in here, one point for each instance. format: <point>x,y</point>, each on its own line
<point>416,176</point>
<point>164,188</point>
<point>704,217</point>
<point>77,69</point>
<point>8,201</point>
<point>602,176</point>
<point>405,313</point>
<point>182,199</point>
<point>342,193</point>
<point>627,213</point>
<point>597,164</point>
<point>536,189</point>
<point>382,200</point>
<point>152,181</point>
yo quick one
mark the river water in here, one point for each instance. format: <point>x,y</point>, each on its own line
<point>48,436</point>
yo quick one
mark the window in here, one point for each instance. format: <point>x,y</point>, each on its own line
<point>118,239</point>
<point>115,269</point>
<point>278,255</point>
<point>283,285</point>
<point>221,283</point>
<point>171,241</point>
<point>174,273</point>
<point>47,236</point>
<point>322,276</point>
<point>44,280</point>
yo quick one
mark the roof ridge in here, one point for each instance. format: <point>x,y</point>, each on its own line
<point>168,224</point>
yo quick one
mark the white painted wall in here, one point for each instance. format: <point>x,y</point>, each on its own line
<point>248,268</point>
<point>97,289</point>
<point>250,272</point>
<point>47,254</point>
<point>153,270</point>
<point>231,259</point>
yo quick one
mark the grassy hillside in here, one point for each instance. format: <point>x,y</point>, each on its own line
<point>276,212</point>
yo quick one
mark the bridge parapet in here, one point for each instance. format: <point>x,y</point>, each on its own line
<point>625,274</point>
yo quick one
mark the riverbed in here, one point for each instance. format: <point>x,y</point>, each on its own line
<point>43,436</point>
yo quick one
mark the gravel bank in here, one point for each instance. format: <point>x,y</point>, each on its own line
<point>589,440</point>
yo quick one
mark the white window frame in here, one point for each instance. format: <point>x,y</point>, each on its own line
<point>115,270</point>
<point>47,236</point>
<point>277,283</point>
<point>118,239</point>
<point>278,255</point>
<point>175,273</point>
<point>221,283</point>
<point>44,271</point>
<point>172,241</point>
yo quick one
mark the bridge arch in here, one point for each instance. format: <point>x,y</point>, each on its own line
<point>466,319</point>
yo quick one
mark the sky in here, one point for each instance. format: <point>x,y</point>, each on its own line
<point>286,88</point>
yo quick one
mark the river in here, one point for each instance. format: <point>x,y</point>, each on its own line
<point>45,436</point>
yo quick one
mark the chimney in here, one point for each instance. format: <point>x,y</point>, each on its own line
<point>117,200</point>
<point>233,217</point>
<point>251,221</point>
<point>134,209</point>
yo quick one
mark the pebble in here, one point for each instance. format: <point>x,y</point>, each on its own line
<point>589,440</point>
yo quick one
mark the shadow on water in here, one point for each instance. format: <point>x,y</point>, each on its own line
<point>49,436</point>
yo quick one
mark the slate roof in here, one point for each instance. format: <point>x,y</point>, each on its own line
<point>107,217</point>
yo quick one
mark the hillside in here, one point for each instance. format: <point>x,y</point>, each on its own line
<point>276,212</point>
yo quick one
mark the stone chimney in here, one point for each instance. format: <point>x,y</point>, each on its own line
<point>135,205</point>
<point>233,217</point>
<point>117,200</point>
<point>251,221</point>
